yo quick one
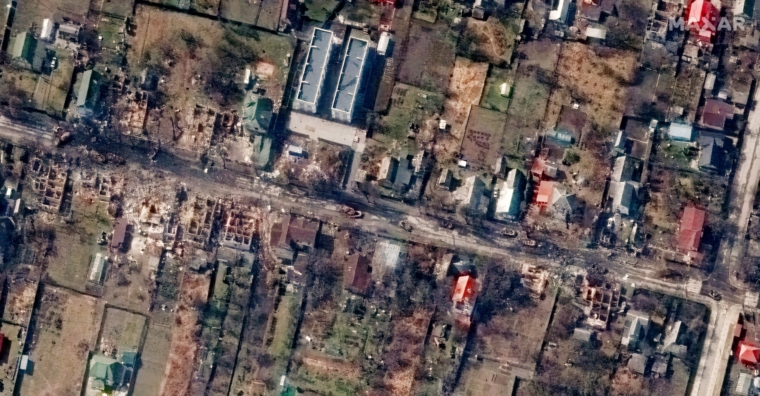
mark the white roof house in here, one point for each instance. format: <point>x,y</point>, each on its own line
<point>560,13</point>
<point>510,195</point>
<point>636,327</point>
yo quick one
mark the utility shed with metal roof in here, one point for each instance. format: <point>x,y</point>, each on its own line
<point>350,77</point>
<point>313,74</point>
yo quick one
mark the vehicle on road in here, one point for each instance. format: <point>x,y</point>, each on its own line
<point>715,295</point>
<point>529,242</point>
<point>405,226</point>
<point>351,212</point>
<point>508,233</point>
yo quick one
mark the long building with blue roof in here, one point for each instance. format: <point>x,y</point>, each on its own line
<point>313,74</point>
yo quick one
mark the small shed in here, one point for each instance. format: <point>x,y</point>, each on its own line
<point>584,335</point>
<point>638,363</point>
<point>681,132</point>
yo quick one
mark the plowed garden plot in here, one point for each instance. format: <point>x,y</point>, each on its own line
<point>184,347</point>
<point>64,330</point>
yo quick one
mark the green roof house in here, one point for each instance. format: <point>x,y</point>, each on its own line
<point>22,45</point>
<point>105,372</point>
<point>129,359</point>
<point>257,113</point>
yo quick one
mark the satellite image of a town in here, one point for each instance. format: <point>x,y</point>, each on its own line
<point>379,197</point>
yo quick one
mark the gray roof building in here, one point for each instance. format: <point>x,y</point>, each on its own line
<point>584,335</point>
<point>84,88</point>
<point>623,195</point>
<point>712,152</point>
<point>313,74</point>
<point>638,363</point>
<point>636,327</point>
<point>350,77</point>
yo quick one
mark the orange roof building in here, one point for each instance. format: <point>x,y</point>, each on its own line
<point>749,354</point>
<point>463,289</point>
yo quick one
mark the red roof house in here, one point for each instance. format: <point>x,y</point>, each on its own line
<point>545,191</point>
<point>463,289</point>
<point>703,17</point>
<point>716,113</point>
<point>358,273</point>
<point>692,227</point>
<point>749,354</point>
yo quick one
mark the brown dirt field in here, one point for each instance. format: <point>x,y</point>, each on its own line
<point>67,324</point>
<point>20,300</point>
<point>318,362</point>
<point>468,79</point>
<point>497,43</point>
<point>407,346</point>
<point>184,348</point>
<point>596,80</point>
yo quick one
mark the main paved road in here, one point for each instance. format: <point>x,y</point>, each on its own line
<point>382,220</point>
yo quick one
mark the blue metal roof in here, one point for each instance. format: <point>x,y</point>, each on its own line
<point>316,61</point>
<point>353,64</point>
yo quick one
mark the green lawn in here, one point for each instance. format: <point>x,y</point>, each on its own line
<point>320,10</point>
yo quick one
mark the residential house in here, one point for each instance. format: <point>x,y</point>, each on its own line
<point>357,274</point>
<point>636,328</point>
<point>740,87</point>
<point>571,124</point>
<point>691,230</point>
<point>671,336</point>
<point>445,179</point>
<point>473,195</point>
<point>509,194</point>
<point>623,196</point>
<point>560,11</point>
<point>680,132</point>
<point>293,233</point>
<point>638,363</point>
<point>626,169</point>
<point>749,354</point>
<point>257,113</point>
<point>108,374</point>
<point>563,203</point>
<point>463,298</point>
<point>712,153</point>
<point>700,11</point>
<point>387,174</point>
<point>544,195</point>
<point>296,273</point>
<point>716,113</point>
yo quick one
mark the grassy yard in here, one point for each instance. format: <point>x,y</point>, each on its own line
<point>492,96</point>
<point>320,10</point>
<point>122,331</point>
<point>76,243</point>
<point>65,331</point>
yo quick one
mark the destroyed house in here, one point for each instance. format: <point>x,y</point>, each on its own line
<point>596,10</point>
<point>291,234</point>
<point>119,234</point>
<point>238,228</point>
<point>49,182</point>
<point>357,274</point>
<point>602,301</point>
<point>313,74</point>
<point>350,77</point>
<point>204,213</point>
